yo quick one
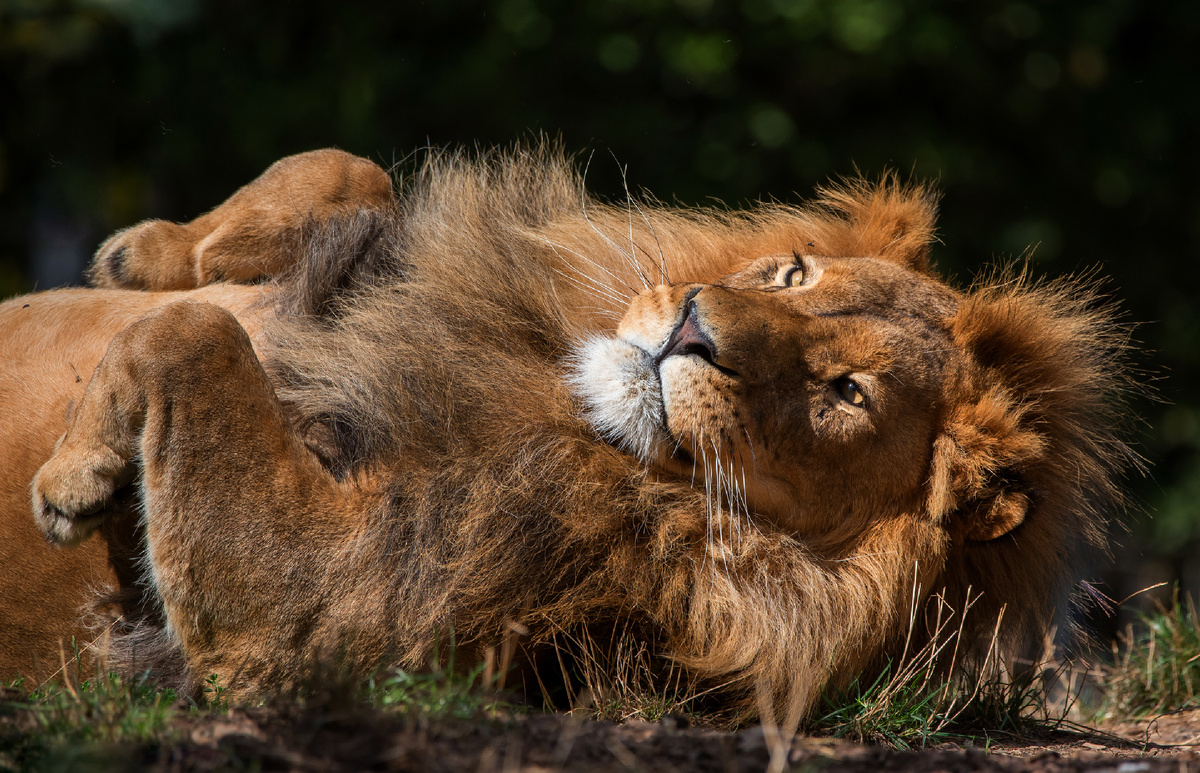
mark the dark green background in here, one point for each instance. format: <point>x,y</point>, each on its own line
<point>1067,125</point>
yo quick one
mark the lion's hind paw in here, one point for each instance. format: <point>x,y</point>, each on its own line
<point>152,255</point>
<point>71,492</point>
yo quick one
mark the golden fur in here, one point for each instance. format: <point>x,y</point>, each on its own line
<point>497,404</point>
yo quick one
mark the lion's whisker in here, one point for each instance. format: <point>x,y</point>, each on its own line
<point>634,262</point>
<point>588,288</point>
<point>629,213</point>
<point>745,504</point>
<point>588,219</point>
<point>718,474</point>
<point>861,556</point>
<point>664,275</point>
<point>597,286</point>
<point>708,508</point>
<point>695,431</point>
<point>601,311</point>
<point>583,199</point>
<point>632,290</point>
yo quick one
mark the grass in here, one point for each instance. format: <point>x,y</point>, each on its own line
<point>61,726</point>
<point>113,723</point>
<point>437,694</point>
<point>912,711</point>
<point>921,699</point>
<point>1156,663</point>
<point>443,691</point>
<point>620,679</point>
<point>108,721</point>
<point>925,698</point>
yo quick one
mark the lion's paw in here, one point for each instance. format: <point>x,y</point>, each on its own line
<point>71,490</point>
<point>153,255</point>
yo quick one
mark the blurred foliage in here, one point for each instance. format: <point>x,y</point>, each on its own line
<point>1067,125</point>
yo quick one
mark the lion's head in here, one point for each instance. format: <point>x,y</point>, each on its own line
<point>807,387</point>
<point>823,394</point>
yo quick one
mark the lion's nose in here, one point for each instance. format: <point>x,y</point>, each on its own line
<point>689,338</point>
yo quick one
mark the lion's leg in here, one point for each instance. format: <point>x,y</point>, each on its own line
<point>245,238</point>
<point>243,524</point>
<point>141,374</point>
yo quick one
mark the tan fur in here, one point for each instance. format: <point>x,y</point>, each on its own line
<point>502,401</point>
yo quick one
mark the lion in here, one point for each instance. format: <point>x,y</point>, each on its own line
<point>328,423</point>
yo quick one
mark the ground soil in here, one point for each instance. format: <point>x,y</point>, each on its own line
<point>268,740</point>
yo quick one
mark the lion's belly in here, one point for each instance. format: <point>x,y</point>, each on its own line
<point>49,345</point>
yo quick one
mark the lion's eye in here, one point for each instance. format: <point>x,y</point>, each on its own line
<point>849,390</point>
<point>791,276</point>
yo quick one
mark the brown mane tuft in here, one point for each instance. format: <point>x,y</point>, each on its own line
<point>1038,448</point>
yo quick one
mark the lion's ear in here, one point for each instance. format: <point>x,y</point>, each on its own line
<point>1032,426</point>
<point>886,219</point>
<point>979,484</point>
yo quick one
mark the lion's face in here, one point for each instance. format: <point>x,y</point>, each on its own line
<point>805,388</point>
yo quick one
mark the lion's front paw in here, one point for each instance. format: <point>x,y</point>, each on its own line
<point>71,490</point>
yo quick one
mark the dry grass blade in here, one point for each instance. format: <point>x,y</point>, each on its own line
<point>779,737</point>
<point>620,679</point>
<point>926,697</point>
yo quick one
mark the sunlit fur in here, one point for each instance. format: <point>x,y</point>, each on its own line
<point>470,378</point>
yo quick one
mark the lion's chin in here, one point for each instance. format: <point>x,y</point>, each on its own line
<point>619,385</point>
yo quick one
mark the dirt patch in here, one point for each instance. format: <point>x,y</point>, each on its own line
<point>264,740</point>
